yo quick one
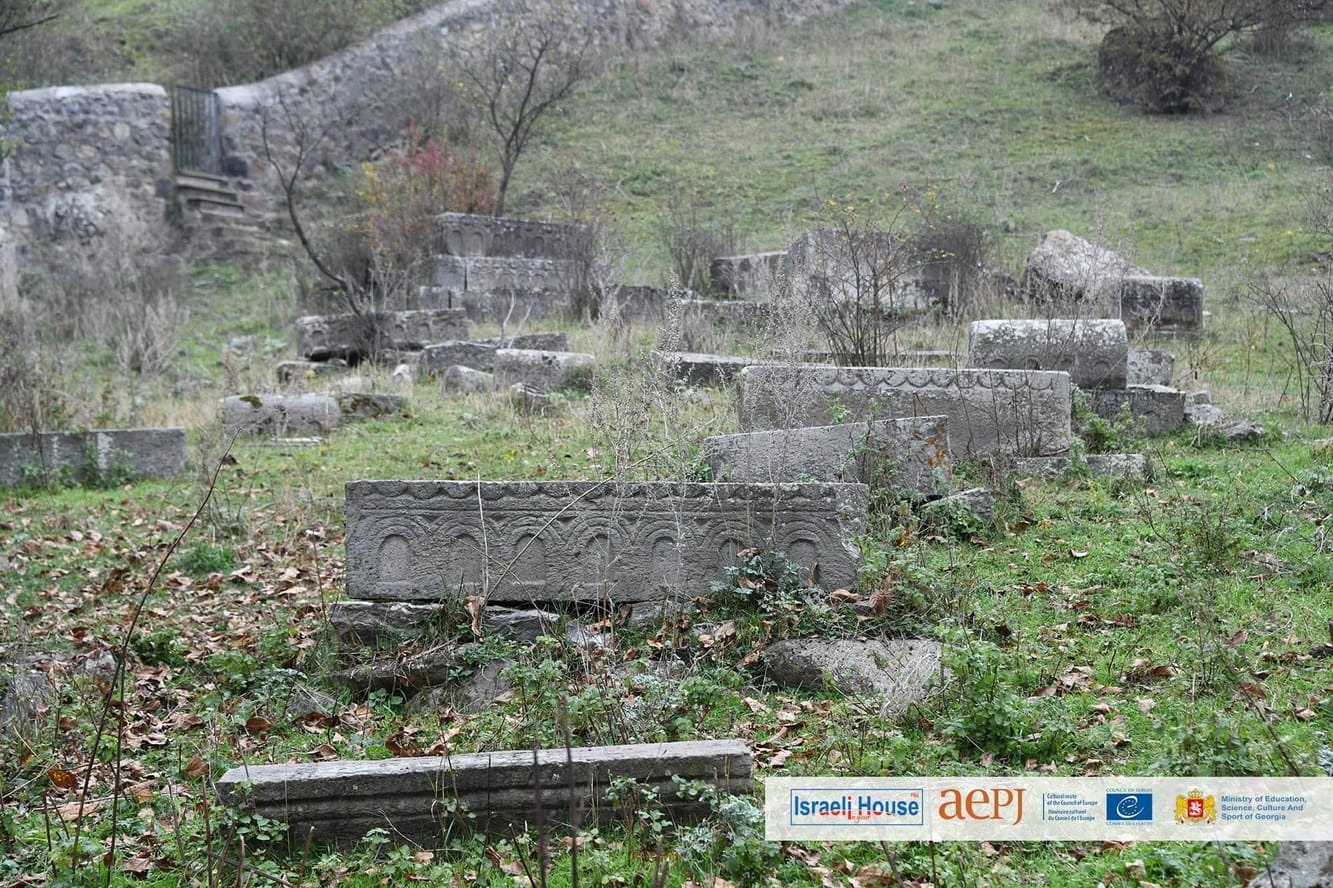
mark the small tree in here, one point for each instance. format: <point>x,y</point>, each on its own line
<point>529,56</point>
<point>1162,54</point>
<point>368,257</point>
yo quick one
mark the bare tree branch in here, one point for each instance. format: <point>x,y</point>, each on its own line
<point>531,56</point>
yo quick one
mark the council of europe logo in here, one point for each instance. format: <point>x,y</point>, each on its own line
<point>1129,806</point>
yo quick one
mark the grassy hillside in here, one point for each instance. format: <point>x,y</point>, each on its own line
<point>994,104</point>
<point>1099,627</point>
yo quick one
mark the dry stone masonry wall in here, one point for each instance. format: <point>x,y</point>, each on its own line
<point>89,163</point>
<point>92,160</point>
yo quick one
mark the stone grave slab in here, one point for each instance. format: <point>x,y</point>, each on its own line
<point>743,277</point>
<point>82,457</point>
<point>480,354</point>
<point>693,368</point>
<point>301,372</point>
<point>1095,353</point>
<point>1016,412</point>
<point>424,798</point>
<point>909,454</point>
<point>353,337</point>
<point>504,274</point>
<point>281,415</point>
<point>587,542</point>
<point>1130,466</point>
<point>544,371</point>
<point>899,671</point>
<point>1163,304</point>
<point>472,235</point>
<point>1155,409</point>
<point>1150,366</point>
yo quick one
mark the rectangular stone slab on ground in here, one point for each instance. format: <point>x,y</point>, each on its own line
<point>424,798</point>
<point>351,336</point>
<point>1014,412</point>
<point>596,543</point>
<point>910,454</point>
<point>1093,351</point>
<point>86,456</point>
<point>1164,304</point>
<point>469,235</point>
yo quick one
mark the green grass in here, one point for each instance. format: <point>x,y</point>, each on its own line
<point>1102,628</point>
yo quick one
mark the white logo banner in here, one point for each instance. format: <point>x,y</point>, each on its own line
<point>1117,809</point>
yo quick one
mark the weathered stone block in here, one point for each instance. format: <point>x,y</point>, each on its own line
<point>504,275</point>
<point>556,341</point>
<point>427,798</point>
<point>1155,409</point>
<point>466,381</point>
<point>367,623</point>
<point>354,337</point>
<point>280,415</point>
<point>84,457</point>
<point>297,372</point>
<point>542,370</point>
<point>1131,466</point>
<point>745,277</point>
<point>732,313</point>
<point>900,671</point>
<point>597,543</point>
<point>1169,305</point>
<point>1150,366</point>
<point>910,454</point>
<point>480,354</point>
<point>842,265</point>
<point>457,353</point>
<point>369,405</point>
<point>975,501</point>
<point>469,235</point>
<point>1065,267</point>
<point>1020,412</point>
<point>1093,352</point>
<point>693,368</point>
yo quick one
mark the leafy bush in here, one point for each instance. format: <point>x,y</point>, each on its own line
<point>992,714</point>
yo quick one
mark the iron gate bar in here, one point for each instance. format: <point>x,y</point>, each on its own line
<point>196,131</point>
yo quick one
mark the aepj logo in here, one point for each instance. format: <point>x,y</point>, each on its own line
<point>1129,806</point>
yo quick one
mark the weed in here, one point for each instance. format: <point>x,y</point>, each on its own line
<point>992,714</point>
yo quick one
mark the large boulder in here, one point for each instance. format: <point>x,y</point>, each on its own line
<point>1066,268</point>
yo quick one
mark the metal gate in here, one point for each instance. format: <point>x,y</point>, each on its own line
<point>196,130</point>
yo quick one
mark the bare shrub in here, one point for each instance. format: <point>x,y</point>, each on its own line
<point>371,256</point>
<point>847,276</point>
<point>693,236</point>
<point>30,398</point>
<point>582,204</point>
<point>1304,309</point>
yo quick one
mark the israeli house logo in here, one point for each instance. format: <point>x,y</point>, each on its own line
<point>874,806</point>
<point>1129,807</point>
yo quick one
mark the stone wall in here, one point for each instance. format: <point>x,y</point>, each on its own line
<point>93,163</point>
<point>91,166</point>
